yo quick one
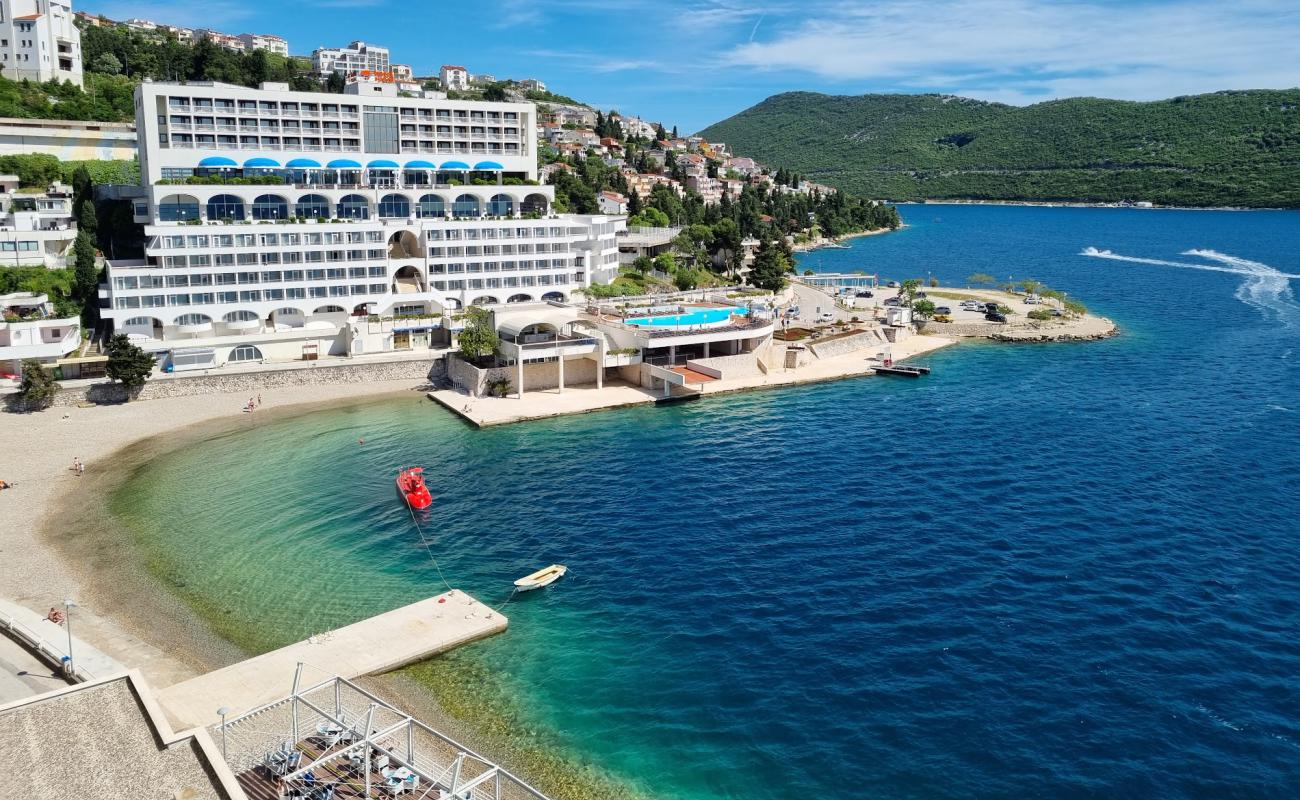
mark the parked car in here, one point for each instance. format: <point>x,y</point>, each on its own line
<point>972,305</point>
<point>893,301</point>
<point>942,318</point>
<point>995,316</point>
<point>943,310</point>
<point>826,316</point>
<point>892,284</point>
<point>1032,301</point>
<point>864,294</point>
<point>990,308</point>
<point>1056,312</point>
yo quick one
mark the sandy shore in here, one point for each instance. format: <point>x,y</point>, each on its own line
<point>48,540</point>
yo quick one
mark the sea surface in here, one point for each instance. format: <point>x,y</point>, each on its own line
<point>1043,571</point>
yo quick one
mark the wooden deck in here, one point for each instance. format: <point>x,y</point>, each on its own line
<point>692,376</point>
<point>260,783</point>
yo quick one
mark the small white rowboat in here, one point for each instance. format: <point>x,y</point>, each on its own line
<point>542,577</point>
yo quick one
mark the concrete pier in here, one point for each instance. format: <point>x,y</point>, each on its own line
<point>378,644</point>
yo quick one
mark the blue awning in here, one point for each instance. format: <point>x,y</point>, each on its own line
<point>455,165</point>
<point>261,162</point>
<point>218,161</point>
<point>382,163</point>
<point>488,165</point>
<point>421,165</point>
<point>343,163</point>
<point>303,163</point>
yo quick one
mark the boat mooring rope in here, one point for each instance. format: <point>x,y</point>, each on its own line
<point>428,549</point>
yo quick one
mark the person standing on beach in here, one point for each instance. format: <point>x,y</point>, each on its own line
<point>259,398</point>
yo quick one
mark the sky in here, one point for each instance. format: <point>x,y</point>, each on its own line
<point>692,63</point>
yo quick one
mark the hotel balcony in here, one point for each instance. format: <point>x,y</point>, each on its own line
<point>546,345</point>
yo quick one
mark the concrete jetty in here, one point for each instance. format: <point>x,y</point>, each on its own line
<point>378,644</point>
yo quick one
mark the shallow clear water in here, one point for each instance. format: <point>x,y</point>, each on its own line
<point>1062,571</point>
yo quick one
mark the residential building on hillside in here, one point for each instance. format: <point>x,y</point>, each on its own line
<point>532,85</point>
<point>378,217</point>
<point>402,72</point>
<point>264,41</point>
<point>611,203</point>
<point>482,79</point>
<point>224,40</point>
<point>356,57</point>
<point>36,229</point>
<point>39,41</point>
<point>454,78</point>
<point>29,329</point>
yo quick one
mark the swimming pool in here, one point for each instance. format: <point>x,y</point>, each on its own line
<point>698,316</point>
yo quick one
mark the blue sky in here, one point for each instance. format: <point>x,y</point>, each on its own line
<point>694,63</point>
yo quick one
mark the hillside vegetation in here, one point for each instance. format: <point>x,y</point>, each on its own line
<point>1227,148</point>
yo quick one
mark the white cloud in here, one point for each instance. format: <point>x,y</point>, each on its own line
<point>1018,51</point>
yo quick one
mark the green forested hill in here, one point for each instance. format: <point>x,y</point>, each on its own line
<point>1227,148</point>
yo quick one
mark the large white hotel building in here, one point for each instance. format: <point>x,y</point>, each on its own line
<point>283,225</point>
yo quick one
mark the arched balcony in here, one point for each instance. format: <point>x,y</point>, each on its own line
<point>225,207</point>
<point>404,244</point>
<point>270,206</point>
<point>394,206</point>
<point>178,208</point>
<point>466,206</point>
<point>312,206</point>
<point>408,280</point>
<point>535,204</point>
<point>353,206</point>
<point>501,205</point>
<point>431,207</point>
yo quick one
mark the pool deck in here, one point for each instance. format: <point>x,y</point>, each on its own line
<point>378,644</point>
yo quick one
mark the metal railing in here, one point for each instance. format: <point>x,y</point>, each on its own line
<point>45,649</point>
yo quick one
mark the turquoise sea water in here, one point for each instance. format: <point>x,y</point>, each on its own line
<point>1042,571</point>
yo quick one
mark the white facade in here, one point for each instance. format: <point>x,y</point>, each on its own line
<point>36,230</point>
<point>28,330</point>
<point>356,57</point>
<point>454,78</point>
<point>374,208</point>
<point>532,85</point>
<point>264,41</point>
<point>39,42</point>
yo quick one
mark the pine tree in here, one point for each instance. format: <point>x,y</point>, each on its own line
<point>127,363</point>
<point>770,267</point>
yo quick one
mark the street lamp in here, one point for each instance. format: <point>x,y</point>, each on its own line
<point>69,604</point>
<point>223,711</point>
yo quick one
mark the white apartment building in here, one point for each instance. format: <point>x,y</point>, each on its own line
<point>356,57</point>
<point>374,219</point>
<point>454,78</point>
<point>29,329</point>
<point>39,42</point>
<point>532,85</point>
<point>36,229</point>
<point>264,41</point>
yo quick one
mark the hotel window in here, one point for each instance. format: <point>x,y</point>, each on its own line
<point>250,297</point>
<point>293,275</point>
<point>378,288</point>
<point>295,294</point>
<point>356,272</point>
<point>226,279</point>
<point>318,291</point>
<point>378,272</point>
<point>336,273</point>
<point>178,300</point>
<point>271,277</point>
<point>381,129</point>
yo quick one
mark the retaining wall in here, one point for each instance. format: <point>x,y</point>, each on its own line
<point>251,382</point>
<point>845,345</point>
<point>727,367</point>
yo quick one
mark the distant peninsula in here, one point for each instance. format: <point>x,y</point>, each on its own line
<point>1232,148</point>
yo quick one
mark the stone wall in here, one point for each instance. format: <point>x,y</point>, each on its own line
<point>252,382</point>
<point>845,345</point>
<point>727,367</point>
<point>965,328</point>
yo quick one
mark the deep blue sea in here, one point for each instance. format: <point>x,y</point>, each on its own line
<point>1043,571</point>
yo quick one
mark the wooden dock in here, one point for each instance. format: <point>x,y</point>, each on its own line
<point>378,644</point>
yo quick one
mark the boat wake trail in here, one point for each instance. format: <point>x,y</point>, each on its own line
<point>1266,288</point>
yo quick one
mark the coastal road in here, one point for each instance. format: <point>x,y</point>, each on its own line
<point>22,674</point>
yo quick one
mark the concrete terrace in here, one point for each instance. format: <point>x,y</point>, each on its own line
<point>378,644</point>
<point>543,403</point>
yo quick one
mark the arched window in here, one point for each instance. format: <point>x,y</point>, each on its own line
<point>557,297</point>
<point>394,205</point>
<point>501,206</point>
<point>193,319</point>
<point>245,352</point>
<point>430,206</point>
<point>354,206</point>
<point>270,206</point>
<point>140,322</point>
<point>225,206</point>
<point>535,204</point>
<point>240,316</point>
<point>465,206</point>
<point>519,298</point>
<point>178,207</point>
<point>329,310</point>
<point>312,206</point>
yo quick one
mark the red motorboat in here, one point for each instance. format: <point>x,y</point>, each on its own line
<point>410,484</point>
